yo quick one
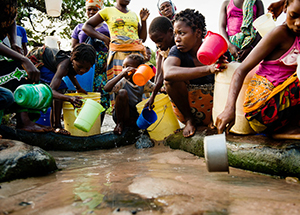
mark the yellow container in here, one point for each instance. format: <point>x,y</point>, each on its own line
<point>166,122</point>
<point>69,116</point>
<point>222,83</point>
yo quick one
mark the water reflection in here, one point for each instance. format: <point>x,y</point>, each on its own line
<point>146,181</point>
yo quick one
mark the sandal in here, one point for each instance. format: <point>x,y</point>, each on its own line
<point>62,131</point>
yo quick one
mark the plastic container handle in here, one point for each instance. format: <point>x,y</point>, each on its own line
<point>76,109</point>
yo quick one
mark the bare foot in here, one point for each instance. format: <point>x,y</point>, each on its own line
<point>178,130</point>
<point>32,127</point>
<point>118,129</point>
<point>62,131</point>
<point>0,136</point>
<point>189,129</point>
<point>46,128</point>
<point>288,133</point>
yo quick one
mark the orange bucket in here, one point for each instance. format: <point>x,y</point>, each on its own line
<point>213,47</point>
<point>142,75</point>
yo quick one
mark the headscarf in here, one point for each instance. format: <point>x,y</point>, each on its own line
<point>94,3</point>
<point>160,2</point>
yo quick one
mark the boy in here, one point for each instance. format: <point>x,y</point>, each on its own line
<point>128,95</point>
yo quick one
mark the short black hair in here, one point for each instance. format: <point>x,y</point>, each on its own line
<point>137,57</point>
<point>192,18</point>
<point>8,13</point>
<point>84,52</point>
<point>160,24</point>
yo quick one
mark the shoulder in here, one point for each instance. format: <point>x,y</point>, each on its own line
<point>225,3</point>
<point>175,52</point>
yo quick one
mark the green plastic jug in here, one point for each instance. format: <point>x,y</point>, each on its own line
<point>34,96</point>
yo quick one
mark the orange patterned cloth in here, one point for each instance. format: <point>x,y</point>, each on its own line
<point>261,90</point>
<point>96,3</point>
<point>201,103</point>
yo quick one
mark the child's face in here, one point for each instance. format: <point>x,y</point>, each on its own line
<point>293,16</point>
<point>128,62</point>
<point>163,41</point>
<point>148,52</point>
<point>185,37</point>
<point>81,67</point>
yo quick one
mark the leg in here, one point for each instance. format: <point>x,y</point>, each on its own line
<point>122,110</point>
<point>56,118</point>
<point>179,94</point>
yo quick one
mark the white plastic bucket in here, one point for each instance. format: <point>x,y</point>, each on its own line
<point>51,41</point>
<point>53,7</point>
<point>264,24</point>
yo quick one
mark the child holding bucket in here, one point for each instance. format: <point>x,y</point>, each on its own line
<point>236,19</point>
<point>161,33</point>
<point>183,72</point>
<point>272,98</point>
<point>56,64</point>
<point>128,94</point>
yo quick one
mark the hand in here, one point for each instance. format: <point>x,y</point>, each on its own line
<point>276,8</point>
<point>234,50</point>
<point>32,71</point>
<point>243,53</point>
<point>17,48</point>
<point>144,14</point>
<point>106,40</point>
<point>81,90</point>
<point>128,72</point>
<point>225,120</point>
<point>149,103</point>
<point>76,101</point>
<point>219,66</point>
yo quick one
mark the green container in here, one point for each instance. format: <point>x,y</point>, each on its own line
<point>34,96</point>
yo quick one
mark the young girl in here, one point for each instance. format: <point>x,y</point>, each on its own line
<point>182,68</point>
<point>128,93</point>
<point>272,98</point>
<point>54,65</point>
<point>236,19</point>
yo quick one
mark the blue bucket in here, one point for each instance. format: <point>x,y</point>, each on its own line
<point>45,118</point>
<point>146,118</point>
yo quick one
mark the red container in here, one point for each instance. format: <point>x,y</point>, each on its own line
<point>213,47</point>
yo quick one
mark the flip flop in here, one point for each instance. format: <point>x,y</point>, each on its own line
<point>62,131</point>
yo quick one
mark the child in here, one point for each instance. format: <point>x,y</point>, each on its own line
<point>128,94</point>
<point>15,68</point>
<point>160,32</point>
<point>54,65</point>
<point>272,98</point>
<point>236,18</point>
<point>182,68</point>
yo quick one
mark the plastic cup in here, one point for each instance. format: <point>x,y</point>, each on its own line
<point>146,118</point>
<point>88,115</point>
<point>264,24</point>
<point>142,75</point>
<point>213,47</point>
<point>53,7</point>
<point>215,152</point>
<point>34,96</point>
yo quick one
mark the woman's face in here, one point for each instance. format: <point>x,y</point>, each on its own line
<point>81,67</point>
<point>184,36</point>
<point>91,11</point>
<point>293,16</point>
<point>123,2</point>
<point>166,10</point>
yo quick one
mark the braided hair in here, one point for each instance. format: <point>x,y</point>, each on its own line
<point>192,18</point>
<point>84,52</point>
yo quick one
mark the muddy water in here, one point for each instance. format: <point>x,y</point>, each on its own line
<point>155,181</point>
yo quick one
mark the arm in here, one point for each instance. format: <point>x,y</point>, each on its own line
<point>144,14</point>
<point>159,79</point>
<point>264,50</point>
<point>12,35</point>
<point>32,71</point>
<point>76,84</point>
<point>74,42</point>
<point>89,29</point>
<point>222,28</point>
<point>112,84</point>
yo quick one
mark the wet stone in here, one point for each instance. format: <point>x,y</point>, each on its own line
<point>144,141</point>
<point>19,160</point>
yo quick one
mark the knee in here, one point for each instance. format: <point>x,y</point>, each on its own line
<point>7,98</point>
<point>122,95</point>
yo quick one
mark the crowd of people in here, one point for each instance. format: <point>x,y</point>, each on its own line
<point>112,39</point>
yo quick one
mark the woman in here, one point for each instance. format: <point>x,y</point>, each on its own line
<point>79,36</point>
<point>126,32</point>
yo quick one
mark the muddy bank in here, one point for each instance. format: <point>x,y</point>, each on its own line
<point>253,152</point>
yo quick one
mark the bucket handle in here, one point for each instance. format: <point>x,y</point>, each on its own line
<point>76,109</point>
<point>165,108</point>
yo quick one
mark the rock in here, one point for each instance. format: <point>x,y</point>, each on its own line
<point>256,153</point>
<point>19,160</point>
<point>144,141</point>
